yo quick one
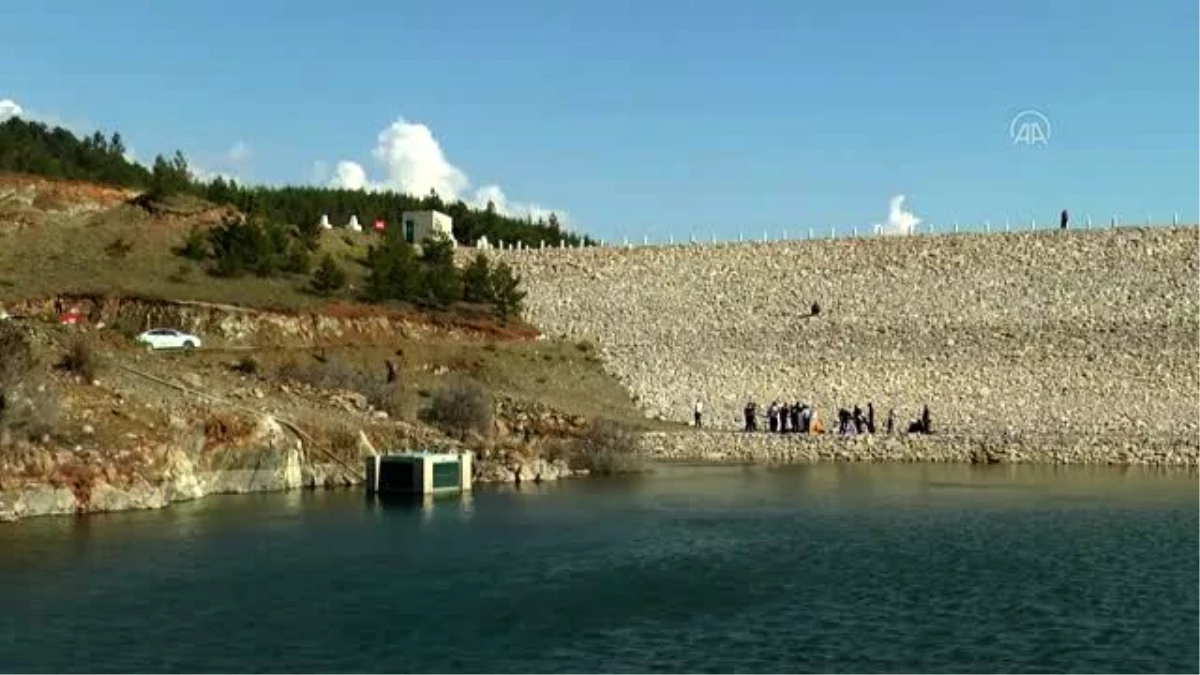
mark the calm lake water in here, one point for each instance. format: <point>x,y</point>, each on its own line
<point>820,568</point>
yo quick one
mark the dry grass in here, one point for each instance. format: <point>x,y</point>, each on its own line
<point>460,408</point>
<point>124,250</point>
<point>223,427</point>
<point>335,373</point>
<point>608,447</point>
<point>80,360</point>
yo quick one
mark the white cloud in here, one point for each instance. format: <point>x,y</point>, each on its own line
<point>414,163</point>
<point>208,175</point>
<point>239,153</point>
<point>9,108</point>
<point>495,195</point>
<point>899,221</point>
<point>350,176</point>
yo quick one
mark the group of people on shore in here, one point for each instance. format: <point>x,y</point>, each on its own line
<point>801,418</point>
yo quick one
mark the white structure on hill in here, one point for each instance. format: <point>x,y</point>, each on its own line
<point>420,225</point>
<point>325,224</point>
<point>353,225</point>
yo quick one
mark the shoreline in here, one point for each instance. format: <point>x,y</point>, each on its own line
<point>1174,453</point>
<point>724,446</point>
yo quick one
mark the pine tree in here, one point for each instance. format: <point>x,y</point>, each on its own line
<point>477,280</point>
<point>443,284</point>
<point>329,277</point>
<point>393,272</point>
<point>506,292</point>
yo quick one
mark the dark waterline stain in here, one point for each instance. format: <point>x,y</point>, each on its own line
<point>831,568</point>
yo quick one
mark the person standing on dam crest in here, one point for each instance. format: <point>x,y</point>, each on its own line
<point>698,412</point>
<point>1064,219</point>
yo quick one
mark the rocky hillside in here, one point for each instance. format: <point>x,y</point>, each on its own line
<point>1087,333</point>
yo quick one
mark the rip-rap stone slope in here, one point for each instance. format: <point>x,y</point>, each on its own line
<point>1066,332</point>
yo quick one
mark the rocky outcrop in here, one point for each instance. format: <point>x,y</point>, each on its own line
<point>225,325</point>
<point>1086,335</point>
<point>510,469</point>
<point>270,459</point>
<point>185,484</point>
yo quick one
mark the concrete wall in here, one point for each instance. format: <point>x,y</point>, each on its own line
<point>427,223</point>
<point>1080,332</point>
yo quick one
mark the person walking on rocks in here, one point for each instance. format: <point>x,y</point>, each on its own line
<point>784,418</point>
<point>891,421</point>
<point>817,427</point>
<point>870,417</point>
<point>1064,219</point>
<point>751,415</point>
<point>698,412</point>
<point>773,417</point>
<point>858,421</point>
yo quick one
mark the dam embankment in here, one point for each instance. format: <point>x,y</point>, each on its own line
<point>1083,335</point>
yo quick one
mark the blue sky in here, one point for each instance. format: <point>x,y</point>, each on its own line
<point>650,117</point>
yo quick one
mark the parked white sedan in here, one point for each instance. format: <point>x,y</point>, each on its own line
<point>168,338</point>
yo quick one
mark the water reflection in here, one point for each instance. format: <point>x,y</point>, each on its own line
<point>429,507</point>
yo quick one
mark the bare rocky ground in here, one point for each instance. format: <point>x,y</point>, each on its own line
<point>149,428</point>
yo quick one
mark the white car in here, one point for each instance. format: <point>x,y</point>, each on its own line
<point>167,338</point>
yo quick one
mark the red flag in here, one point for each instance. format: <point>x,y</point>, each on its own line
<point>379,225</point>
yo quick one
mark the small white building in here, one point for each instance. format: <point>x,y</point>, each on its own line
<point>420,225</point>
<point>353,225</point>
<point>325,224</point>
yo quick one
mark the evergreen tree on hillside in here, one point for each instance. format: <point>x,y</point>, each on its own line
<point>393,272</point>
<point>170,177</point>
<point>329,277</point>
<point>477,280</point>
<point>33,147</point>
<point>507,295</point>
<point>443,284</point>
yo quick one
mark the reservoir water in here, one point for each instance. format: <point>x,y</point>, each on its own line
<point>832,568</point>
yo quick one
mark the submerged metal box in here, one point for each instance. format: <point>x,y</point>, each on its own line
<point>419,472</point>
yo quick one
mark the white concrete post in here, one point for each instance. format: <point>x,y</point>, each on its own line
<point>832,235</point>
<point>764,236</point>
<point>542,244</point>
<point>671,238</point>
<point>1175,219</point>
<point>854,232</point>
<point>740,237</point>
<point>1032,224</point>
<point>1006,225</point>
<point>987,226</point>
<point>810,233</point>
<point>955,226</point>
<point>1089,221</point>
<point>714,237</point>
<point>1113,222</point>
